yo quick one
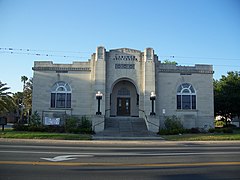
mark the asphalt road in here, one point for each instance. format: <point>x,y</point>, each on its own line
<point>118,160</point>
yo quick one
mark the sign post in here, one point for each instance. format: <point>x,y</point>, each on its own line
<point>3,122</point>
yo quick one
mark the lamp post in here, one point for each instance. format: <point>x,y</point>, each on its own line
<point>99,97</point>
<point>152,98</point>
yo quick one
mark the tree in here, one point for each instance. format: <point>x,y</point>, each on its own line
<point>28,96</point>
<point>6,101</point>
<point>227,95</point>
<point>24,80</point>
<point>17,98</point>
<point>167,61</point>
<point>25,104</point>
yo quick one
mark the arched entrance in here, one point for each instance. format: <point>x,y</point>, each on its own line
<point>124,99</point>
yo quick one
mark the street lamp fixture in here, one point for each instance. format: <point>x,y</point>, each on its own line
<point>153,98</point>
<point>99,97</point>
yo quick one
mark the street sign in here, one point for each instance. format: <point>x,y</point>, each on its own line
<point>3,122</point>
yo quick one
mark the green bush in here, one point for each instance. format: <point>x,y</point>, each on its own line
<point>55,129</point>
<point>173,125</point>
<point>173,122</point>
<point>230,126</point>
<point>170,131</point>
<point>34,124</point>
<point>35,120</point>
<point>221,130</point>
<point>20,127</point>
<point>195,130</point>
<point>85,126</point>
<point>71,125</point>
<point>211,130</point>
<point>227,130</point>
<point>75,125</point>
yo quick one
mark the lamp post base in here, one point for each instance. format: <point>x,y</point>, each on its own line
<point>98,113</point>
<point>152,114</point>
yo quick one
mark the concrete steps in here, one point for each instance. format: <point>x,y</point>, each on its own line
<point>125,128</point>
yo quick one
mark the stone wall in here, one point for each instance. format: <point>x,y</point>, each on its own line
<point>169,77</point>
<point>77,75</point>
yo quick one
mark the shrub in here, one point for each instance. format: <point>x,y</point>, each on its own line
<point>211,130</point>
<point>221,130</point>
<point>230,126</point>
<point>75,125</point>
<point>20,127</point>
<point>55,129</point>
<point>173,122</point>
<point>227,130</point>
<point>35,120</point>
<point>173,125</point>
<point>71,125</point>
<point>194,130</point>
<point>85,125</point>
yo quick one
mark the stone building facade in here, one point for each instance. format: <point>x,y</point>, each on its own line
<point>126,79</point>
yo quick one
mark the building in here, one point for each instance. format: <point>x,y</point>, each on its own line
<point>127,82</point>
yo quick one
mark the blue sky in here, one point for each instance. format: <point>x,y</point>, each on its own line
<point>193,31</point>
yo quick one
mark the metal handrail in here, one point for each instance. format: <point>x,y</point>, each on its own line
<point>107,110</point>
<point>97,124</point>
<point>147,118</point>
<point>101,121</point>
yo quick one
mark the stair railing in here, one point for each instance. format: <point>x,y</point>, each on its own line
<point>147,118</point>
<point>97,125</point>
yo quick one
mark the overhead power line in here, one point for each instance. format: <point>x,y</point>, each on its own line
<point>41,50</point>
<point>45,53</point>
<point>40,53</point>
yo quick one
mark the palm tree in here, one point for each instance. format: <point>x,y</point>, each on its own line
<point>28,97</point>
<point>6,101</point>
<point>17,98</point>
<point>24,80</point>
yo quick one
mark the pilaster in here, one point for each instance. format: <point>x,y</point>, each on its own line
<point>99,78</point>
<point>148,78</point>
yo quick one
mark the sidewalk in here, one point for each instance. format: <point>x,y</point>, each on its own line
<point>126,138</point>
<point>117,142</point>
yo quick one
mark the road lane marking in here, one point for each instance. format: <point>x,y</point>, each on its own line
<point>125,153</point>
<point>119,148</point>
<point>119,164</point>
<point>66,157</point>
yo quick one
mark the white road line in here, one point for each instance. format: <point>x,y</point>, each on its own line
<point>125,154</point>
<point>66,157</point>
<point>119,148</point>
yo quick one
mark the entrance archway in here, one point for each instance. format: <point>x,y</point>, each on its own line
<point>124,99</point>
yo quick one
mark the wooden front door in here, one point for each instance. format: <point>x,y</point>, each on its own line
<point>123,106</point>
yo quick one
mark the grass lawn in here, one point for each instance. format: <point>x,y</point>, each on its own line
<point>8,133</point>
<point>203,137</point>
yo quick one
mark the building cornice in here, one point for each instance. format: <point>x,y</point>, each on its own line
<point>186,71</point>
<point>61,69</point>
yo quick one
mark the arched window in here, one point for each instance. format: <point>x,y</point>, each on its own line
<point>61,95</point>
<point>123,92</point>
<point>186,97</point>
